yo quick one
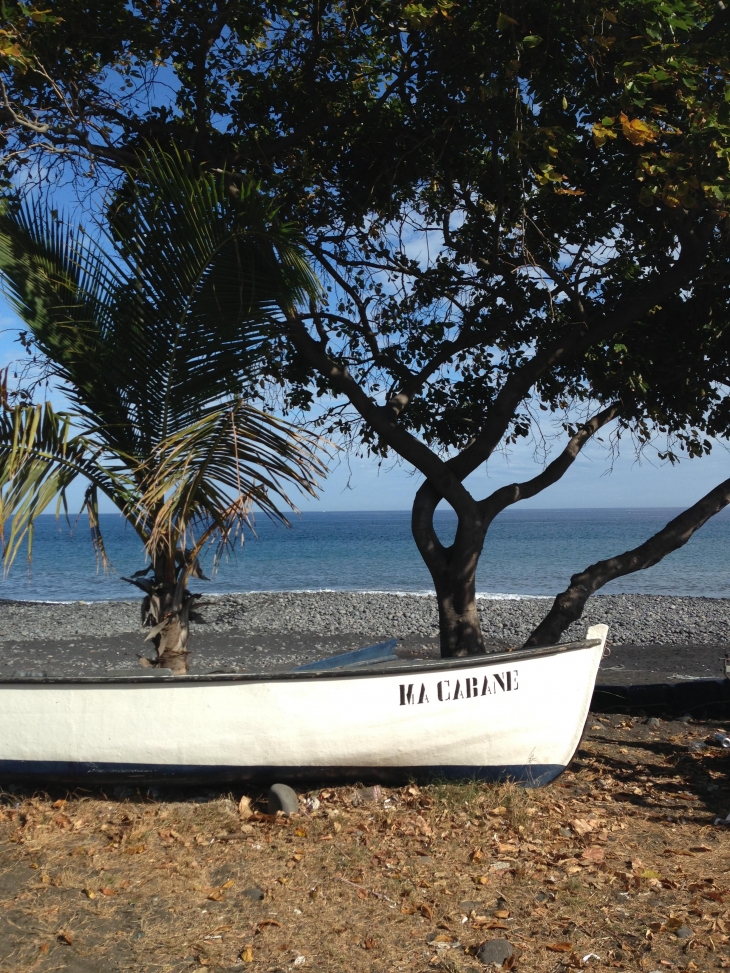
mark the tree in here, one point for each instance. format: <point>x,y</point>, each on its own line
<point>154,333</point>
<point>499,198</point>
<point>569,604</point>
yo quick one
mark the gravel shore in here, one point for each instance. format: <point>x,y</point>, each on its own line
<point>632,619</point>
<point>655,638</point>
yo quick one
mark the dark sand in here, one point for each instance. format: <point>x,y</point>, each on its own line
<point>626,665</point>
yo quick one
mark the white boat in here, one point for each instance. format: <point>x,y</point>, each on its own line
<point>512,715</point>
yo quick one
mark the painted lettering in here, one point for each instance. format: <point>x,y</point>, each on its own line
<point>466,687</point>
<point>406,695</point>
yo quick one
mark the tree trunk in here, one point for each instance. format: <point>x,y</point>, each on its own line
<point>167,610</point>
<point>453,570</point>
<point>568,606</point>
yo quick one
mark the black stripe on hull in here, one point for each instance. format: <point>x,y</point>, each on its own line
<point>530,775</point>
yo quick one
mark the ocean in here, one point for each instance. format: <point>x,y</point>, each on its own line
<point>528,552</point>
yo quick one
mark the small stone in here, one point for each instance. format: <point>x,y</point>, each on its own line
<point>495,952</point>
<point>696,746</point>
<point>256,895</point>
<point>566,832</point>
<point>684,932</point>
<point>542,897</point>
<point>468,905</point>
<point>283,798</point>
<point>122,793</point>
<point>653,723</point>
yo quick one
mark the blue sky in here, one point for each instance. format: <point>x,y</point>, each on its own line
<point>359,484</point>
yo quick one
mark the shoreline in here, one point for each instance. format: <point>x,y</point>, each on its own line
<point>632,619</point>
<point>655,638</point>
<point>669,636</point>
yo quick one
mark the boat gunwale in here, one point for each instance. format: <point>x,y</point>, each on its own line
<point>360,672</point>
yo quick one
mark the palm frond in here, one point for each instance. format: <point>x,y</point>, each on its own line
<point>205,478</point>
<point>157,332</point>
<point>40,458</point>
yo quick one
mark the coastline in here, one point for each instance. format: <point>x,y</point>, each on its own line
<point>654,637</point>
<point>632,619</point>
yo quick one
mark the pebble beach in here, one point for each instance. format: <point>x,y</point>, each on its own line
<point>635,619</point>
<point>279,629</point>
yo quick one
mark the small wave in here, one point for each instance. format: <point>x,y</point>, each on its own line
<point>399,593</point>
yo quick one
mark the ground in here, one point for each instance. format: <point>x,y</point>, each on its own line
<point>617,864</point>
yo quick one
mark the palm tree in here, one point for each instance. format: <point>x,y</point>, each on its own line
<point>155,330</point>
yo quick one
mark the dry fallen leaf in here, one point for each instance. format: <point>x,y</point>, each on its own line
<point>559,947</point>
<point>247,953</point>
<point>594,853</point>
<point>65,937</point>
<point>265,923</point>
<point>426,911</point>
<point>368,943</point>
<point>90,893</point>
<point>218,894</point>
<point>581,826</point>
<point>244,808</point>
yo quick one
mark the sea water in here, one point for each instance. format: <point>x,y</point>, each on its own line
<point>527,552</point>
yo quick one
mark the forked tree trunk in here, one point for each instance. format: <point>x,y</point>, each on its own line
<point>453,570</point>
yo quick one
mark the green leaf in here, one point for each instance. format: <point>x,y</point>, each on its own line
<point>504,21</point>
<point>532,40</point>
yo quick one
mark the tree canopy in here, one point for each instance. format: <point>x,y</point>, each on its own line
<point>515,209</point>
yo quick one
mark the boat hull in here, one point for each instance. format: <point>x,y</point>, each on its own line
<point>514,716</point>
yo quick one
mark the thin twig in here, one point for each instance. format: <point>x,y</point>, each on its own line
<point>361,888</point>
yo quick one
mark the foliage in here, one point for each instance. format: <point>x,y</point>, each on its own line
<point>155,333</point>
<point>516,208</point>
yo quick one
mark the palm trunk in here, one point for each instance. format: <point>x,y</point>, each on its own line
<point>453,570</point>
<point>166,610</point>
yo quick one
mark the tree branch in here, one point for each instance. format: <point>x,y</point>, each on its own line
<point>568,606</point>
<point>628,310</point>
<point>399,439</point>
<point>515,492</point>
